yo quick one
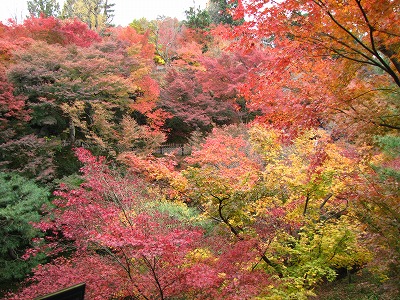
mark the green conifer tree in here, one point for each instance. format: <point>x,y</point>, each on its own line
<point>21,202</point>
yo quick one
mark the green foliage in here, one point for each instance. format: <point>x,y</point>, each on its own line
<point>72,181</point>
<point>21,201</point>
<point>319,252</point>
<point>49,8</point>
<point>390,144</point>
<point>197,18</point>
<point>246,115</point>
<point>142,25</point>
<point>363,285</point>
<point>189,216</point>
<point>67,164</point>
<point>325,247</point>
<point>179,130</point>
<point>47,119</point>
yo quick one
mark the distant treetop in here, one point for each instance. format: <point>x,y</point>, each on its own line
<point>49,8</point>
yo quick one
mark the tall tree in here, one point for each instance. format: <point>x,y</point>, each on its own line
<point>354,30</point>
<point>197,18</point>
<point>48,8</point>
<point>165,35</point>
<point>327,58</point>
<point>221,11</point>
<point>97,14</point>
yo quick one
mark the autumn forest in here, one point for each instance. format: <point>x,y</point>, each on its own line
<point>251,151</point>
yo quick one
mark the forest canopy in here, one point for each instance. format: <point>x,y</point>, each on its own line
<point>251,151</point>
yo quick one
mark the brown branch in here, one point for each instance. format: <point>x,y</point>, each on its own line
<point>389,126</point>
<point>125,266</point>
<point>370,91</point>
<point>224,219</point>
<point>382,64</point>
<point>334,214</point>
<point>236,233</point>
<point>387,32</point>
<point>325,200</point>
<point>372,41</point>
<point>355,50</point>
<point>306,204</point>
<point>152,268</point>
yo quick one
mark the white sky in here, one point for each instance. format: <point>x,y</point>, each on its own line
<point>125,10</point>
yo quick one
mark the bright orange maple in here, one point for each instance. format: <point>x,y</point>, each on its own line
<point>326,57</point>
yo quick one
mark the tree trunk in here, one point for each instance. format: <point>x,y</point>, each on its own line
<point>71,132</point>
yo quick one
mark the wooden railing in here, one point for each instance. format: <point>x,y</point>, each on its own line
<point>178,149</point>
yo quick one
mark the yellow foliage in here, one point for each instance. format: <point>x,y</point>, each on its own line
<point>199,255</point>
<point>159,60</point>
<point>265,142</point>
